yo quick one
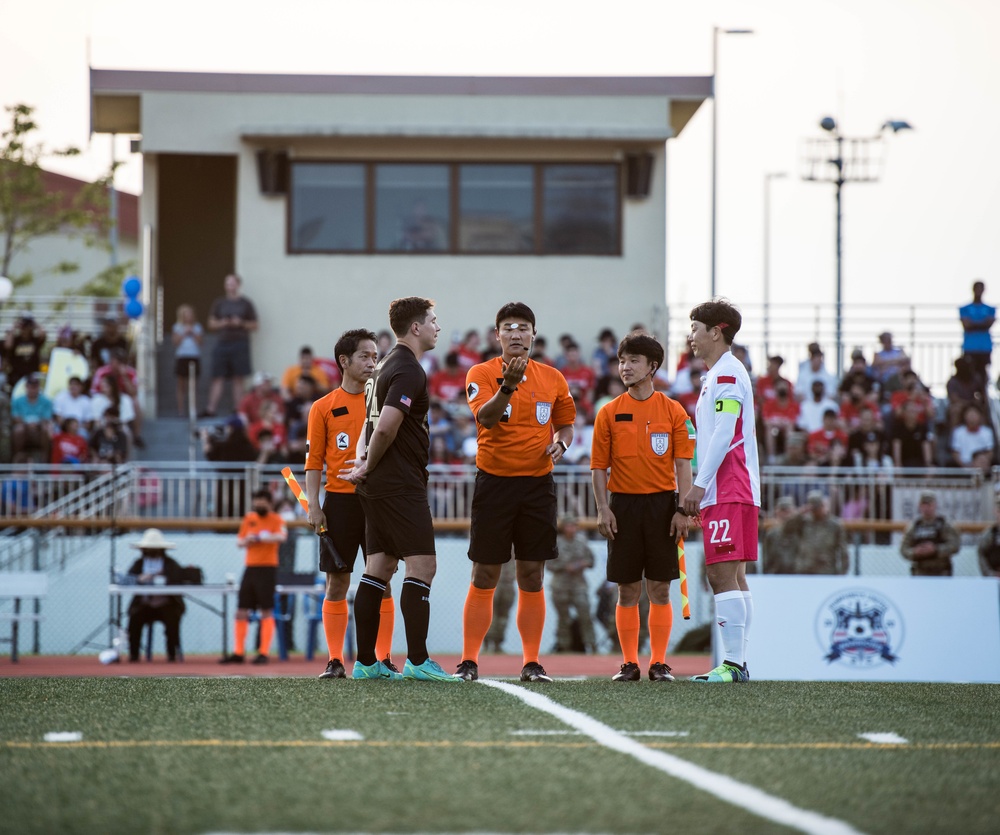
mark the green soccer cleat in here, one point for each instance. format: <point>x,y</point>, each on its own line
<point>725,672</point>
<point>428,671</point>
<point>376,670</point>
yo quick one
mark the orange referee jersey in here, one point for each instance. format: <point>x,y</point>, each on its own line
<point>335,424</point>
<point>639,440</point>
<point>516,445</point>
<point>253,524</point>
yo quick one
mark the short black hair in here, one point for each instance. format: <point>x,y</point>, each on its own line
<point>262,493</point>
<point>643,345</point>
<point>719,313</point>
<point>404,312</point>
<point>515,310</point>
<point>349,342</point>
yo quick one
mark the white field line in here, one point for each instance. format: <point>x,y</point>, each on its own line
<point>885,738</point>
<point>721,786</point>
<point>580,733</point>
<point>336,735</point>
<point>63,736</point>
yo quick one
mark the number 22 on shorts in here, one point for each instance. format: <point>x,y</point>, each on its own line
<point>718,530</point>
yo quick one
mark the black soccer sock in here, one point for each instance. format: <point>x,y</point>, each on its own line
<point>414,603</point>
<point>367,608</point>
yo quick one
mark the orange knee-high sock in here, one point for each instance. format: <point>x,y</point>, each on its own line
<point>240,628</point>
<point>530,622</point>
<point>476,619</point>
<point>627,623</point>
<point>266,634</point>
<point>386,624</point>
<point>335,618</point>
<point>661,621</point>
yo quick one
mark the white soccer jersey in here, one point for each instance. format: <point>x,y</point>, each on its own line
<point>728,465</point>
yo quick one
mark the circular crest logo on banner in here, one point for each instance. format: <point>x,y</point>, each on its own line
<point>859,628</point>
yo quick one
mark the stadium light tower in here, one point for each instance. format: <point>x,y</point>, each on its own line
<point>716,31</point>
<point>774,175</point>
<point>838,159</point>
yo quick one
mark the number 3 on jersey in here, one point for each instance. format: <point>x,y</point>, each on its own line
<point>719,531</point>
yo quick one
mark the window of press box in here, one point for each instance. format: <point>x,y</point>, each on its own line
<point>491,208</point>
<point>327,207</point>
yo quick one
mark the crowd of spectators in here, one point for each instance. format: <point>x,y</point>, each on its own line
<point>74,401</point>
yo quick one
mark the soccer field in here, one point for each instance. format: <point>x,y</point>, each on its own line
<point>179,755</point>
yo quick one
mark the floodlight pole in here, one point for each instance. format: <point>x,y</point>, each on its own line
<point>775,175</point>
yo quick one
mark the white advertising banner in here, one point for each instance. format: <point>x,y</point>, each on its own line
<point>875,629</point>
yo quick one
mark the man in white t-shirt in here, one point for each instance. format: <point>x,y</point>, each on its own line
<point>73,402</point>
<point>726,490</point>
<point>971,442</point>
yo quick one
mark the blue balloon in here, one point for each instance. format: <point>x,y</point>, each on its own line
<point>131,287</point>
<point>133,308</point>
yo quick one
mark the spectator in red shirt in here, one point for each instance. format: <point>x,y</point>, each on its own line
<point>779,416</point>
<point>69,446</point>
<point>263,391</point>
<point>469,353</point>
<point>689,399</point>
<point>270,418</point>
<point>827,447</point>
<point>448,383</point>
<point>579,376</point>
<point>913,391</point>
<point>766,382</point>
<point>128,383</point>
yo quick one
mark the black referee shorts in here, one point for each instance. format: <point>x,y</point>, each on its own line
<point>399,526</point>
<point>643,545</point>
<point>345,519</point>
<point>257,587</point>
<point>518,511</point>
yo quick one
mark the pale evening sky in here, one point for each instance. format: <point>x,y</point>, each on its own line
<point>921,234</point>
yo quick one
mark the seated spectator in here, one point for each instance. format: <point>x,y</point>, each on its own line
<point>684,379</point>
<point>742,353</point>
<point>853,402</point>
<point>689,398</point>
<point>822,538</point>
<point>464,433</point>
<point>492,340</point>
<point>779,417</point>
<point>858,373</point>
<point>386,342</point>
<point>965,387</point>
<point>110,396</point>
<point>305,367</point>
<point>469,353</point>
<point>439,424</point>
<point>583,436</point>
<point>109,442</point>
<point>448,383</point>
<point>271,419</point>
<point>889,360</point>
<point>604,360</point>
<point>297,415</point>
<point>31,416</point>
<point>607,389</point>
<point>68,445</point>
<point>766,383</point>
<point>154,565</point>
<point>915,392</point>
<point>866,433</point>
<point>912,442</point>
<point>538,348</point>
<point>811,371</point>
<point>930,542</point>
<point>972,443</point>
<point>811,410</point>
<point>269,451</point>
<point>579,376</point>
<point>127,382</point>
<point>231,446</point>
<point>73,402</point>
<point>827,446</point>
<point>565,340</point>
<point>263,391</point>
<point>23,349</point>
<point>109,340</point>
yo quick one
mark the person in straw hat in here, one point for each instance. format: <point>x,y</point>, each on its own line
<point>154,567</point>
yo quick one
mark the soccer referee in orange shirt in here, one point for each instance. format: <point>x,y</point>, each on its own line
<point>336,421</point>
<point>524,423</point>
<point>642,438</point>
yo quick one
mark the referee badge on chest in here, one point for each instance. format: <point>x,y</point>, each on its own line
<point>343,441</point>
<point>659,441</point>
<point>543,411</point>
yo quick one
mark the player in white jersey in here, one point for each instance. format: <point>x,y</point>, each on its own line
<point>726,491</point>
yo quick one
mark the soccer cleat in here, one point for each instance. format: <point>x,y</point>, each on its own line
<point>232,659</point>
<point>533,671</point>
<point>659,672</point>
<point>430,670</point>
<point>334,669</point>
<point>260,659</point>
<point>376,670</point>
<point>468,671</point>
<point>746,671</point>
<point>387,663</point>
<point>725,672</point>
<point>628,672</point>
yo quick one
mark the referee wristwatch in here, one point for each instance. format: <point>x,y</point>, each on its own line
<point>507,389</point>
<point>564,445</point>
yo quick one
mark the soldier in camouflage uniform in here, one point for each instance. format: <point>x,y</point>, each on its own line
<point>822,539</point>
<point>781,545</point>
<point>568,586</point>
<point>930,542</point>
<point>989,546</point>
<point>503,599</point>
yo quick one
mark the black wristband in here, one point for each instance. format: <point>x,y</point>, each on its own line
<point>507,389</point>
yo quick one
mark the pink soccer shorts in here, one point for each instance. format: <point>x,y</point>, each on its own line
<point>730,532</point>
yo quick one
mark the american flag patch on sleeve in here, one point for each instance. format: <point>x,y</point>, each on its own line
<point>727,380</point>
<point>407,402</point>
